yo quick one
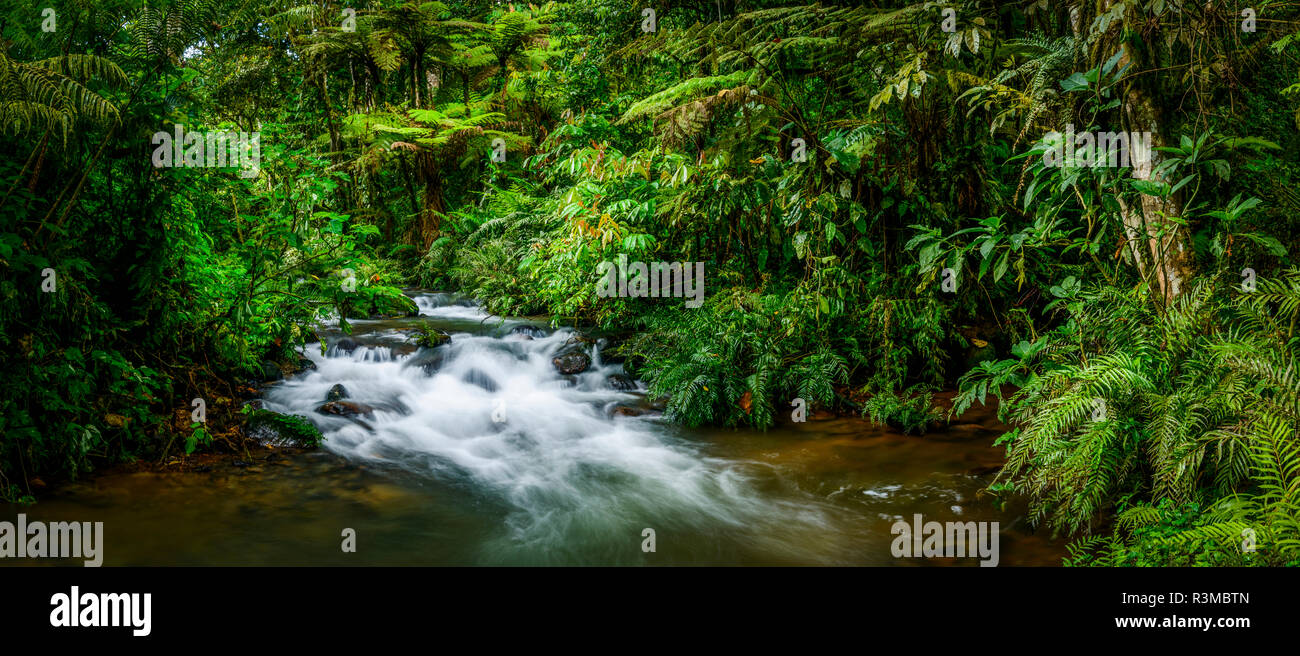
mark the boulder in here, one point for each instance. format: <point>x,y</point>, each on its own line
<point>336,393</point>
<point>345,409</point>
<point>620,382</point>
<point>571,360</point>
<point>580,339</point>
<point>428,337</point>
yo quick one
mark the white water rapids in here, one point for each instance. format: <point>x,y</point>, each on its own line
<point>575,482</point>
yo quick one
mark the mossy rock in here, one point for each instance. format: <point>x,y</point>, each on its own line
<point>429,337</point>
<point>275,429</point>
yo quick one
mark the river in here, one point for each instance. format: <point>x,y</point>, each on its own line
<point>494,458</point>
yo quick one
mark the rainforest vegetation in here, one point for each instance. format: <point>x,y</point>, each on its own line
<point>870,186</point>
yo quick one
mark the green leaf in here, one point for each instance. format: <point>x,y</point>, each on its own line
<point>1075,82</point>
<point>1271,244</point>
<point>1001,269</point>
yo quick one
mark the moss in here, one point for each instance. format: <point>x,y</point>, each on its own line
<point>278,429</point>
<point>430,337</point>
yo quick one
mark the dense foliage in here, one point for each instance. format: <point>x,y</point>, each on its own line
<point>870,186</point>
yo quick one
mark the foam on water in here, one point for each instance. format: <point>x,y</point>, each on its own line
<point>576,479</point>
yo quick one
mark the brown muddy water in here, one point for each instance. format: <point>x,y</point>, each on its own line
<point>490,457</point>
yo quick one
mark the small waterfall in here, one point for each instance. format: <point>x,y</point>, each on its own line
<point>491,413</point>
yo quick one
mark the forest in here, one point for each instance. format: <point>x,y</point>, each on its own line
<point>1080,215</point>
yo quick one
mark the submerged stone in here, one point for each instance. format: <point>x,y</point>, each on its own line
<point>477,377</point>
<point>620,382</point>
<point>531,332</point>
<point>430,360</point>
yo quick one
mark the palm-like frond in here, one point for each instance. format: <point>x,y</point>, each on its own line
<point>51,95</point>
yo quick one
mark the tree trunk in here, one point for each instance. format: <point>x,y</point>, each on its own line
<point>1168,244</point>
<point>434,204</point>
<point>1161,248</point>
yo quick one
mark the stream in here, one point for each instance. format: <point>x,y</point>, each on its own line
<point>484,454</point>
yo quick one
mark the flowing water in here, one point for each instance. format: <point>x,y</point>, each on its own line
<point>493,457</point>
